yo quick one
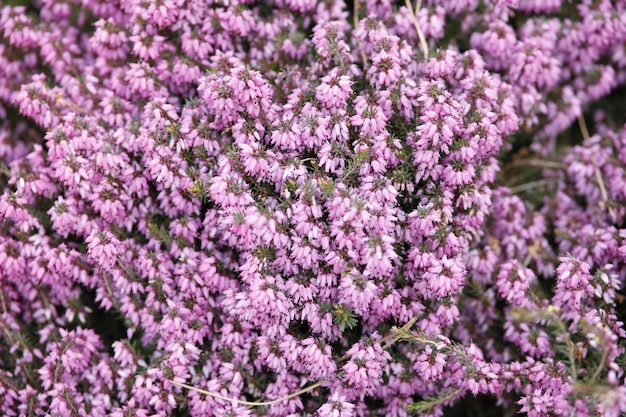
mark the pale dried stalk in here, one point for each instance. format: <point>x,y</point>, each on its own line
<point>605,197</point>
<point>530,185</point>
<point>420,34</point>
<point>248,403</point>
<point>355,20</point>
<point>304,390</point>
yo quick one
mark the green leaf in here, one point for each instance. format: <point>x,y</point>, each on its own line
<point>344,317</point>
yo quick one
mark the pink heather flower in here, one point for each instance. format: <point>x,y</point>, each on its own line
<point>148,46</point>
<point>103,248</point>
<point>233,411</point>
<point>369,31</point>
<point>606,284</point>
<point>320,318</point>
<point>313,127</point>
<point>386,305</point>
<point>532,66</point>
<point>328,40</point>
<point>573,287</point>
<point>379,256</point>
<point>429,365</point>
<point>442,279</point>
<point>36,101</point>
<point>442,65</point>
<point>364,369</point>
<point>285,384</point>
<point>513,283</point>
<point>335,90</point>
<point>12,264</point>
<point>269,353</point>
<point>598,82</point>
<point>287,134</point>
<point>456,174</point>
<point>162,13</point>
<point>497,41</point>
<point>295,47</point>
<point>13,208</point>
<point>336,406</point>
<point>538,6</point>
<point>263,305</point>
<point>18,27</point>
<point>237,20</point>
<point>109,40</point>
<point>301,6</point>
<point>220,99</point>
<point>66,219</point>
<point>105,201</point>
<point>385,70</point>
<point>357,291</point>
<point>431,21</point>
<point>229,191</point>
<point>250,90</point>
<point>613,402</point>
<point>317,358</point>
<point>303,254</point>
<point>139,78</point>
<point>369,117</point>
<point>561,116</point>
<point>291,350</point>
<point>530,340</point>
<point>536,404</point>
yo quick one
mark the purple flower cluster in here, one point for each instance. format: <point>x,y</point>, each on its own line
<point>294,207</point>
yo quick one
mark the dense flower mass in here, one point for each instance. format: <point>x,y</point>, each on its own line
<point>312,207</point>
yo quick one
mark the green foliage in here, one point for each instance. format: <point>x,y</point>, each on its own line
<point>344,317</point>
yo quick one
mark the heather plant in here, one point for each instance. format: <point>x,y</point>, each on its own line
<point>281,208</point>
